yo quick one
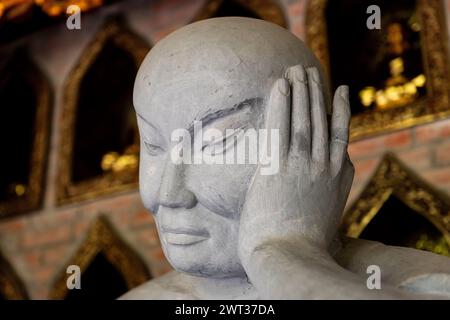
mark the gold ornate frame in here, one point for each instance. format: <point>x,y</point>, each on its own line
<point>102,237</point>
<point>268,10</point>
<point>435,52</point>
<point>11,286</point>
<point>32,199</point>
<point>109,182</point>
<point>393,178</point>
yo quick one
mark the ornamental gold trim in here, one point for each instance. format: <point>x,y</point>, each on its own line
<point>102,237</point>
<point>32,198</point>
<point>268,10</point>
<point>435,106</point>
<point>393,178</point>
<point>109,182</point>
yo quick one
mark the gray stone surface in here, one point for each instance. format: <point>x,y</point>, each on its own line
<point>229,231</point>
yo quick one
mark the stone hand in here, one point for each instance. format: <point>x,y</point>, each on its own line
<point>305,199</point>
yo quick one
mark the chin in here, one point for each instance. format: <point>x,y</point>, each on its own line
<point>202,263</point>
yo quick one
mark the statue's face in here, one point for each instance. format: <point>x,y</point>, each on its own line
<point>205,72</point>
<point>196,206</point>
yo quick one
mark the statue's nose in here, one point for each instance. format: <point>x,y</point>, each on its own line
<point>173,192</point>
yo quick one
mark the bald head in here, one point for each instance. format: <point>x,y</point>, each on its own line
<point>224,60</point>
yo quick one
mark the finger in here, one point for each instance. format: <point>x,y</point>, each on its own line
<point>278,116</point>
<point>300,113</point>
<point>319,145</point>
<point>340,122</point>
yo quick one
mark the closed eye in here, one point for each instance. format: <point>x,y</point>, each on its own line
<point>153,149</point>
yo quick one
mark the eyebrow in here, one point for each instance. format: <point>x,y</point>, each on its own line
<point>208,118</point>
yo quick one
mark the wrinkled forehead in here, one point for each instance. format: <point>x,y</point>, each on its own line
<point>178,103</point>
<point>179,93</point>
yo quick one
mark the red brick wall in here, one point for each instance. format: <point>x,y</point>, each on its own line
<point>39,243</point>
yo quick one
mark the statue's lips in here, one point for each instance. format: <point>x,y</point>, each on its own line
<point>184,236</point>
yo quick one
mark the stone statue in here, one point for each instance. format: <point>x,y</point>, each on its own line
<point>229,230</point>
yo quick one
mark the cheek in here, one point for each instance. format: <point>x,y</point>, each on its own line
<point>221,188</point>
<point>149,181</point>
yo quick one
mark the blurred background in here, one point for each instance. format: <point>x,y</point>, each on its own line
<point>70,147</point>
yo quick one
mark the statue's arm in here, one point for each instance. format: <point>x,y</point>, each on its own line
<point>300,270</point>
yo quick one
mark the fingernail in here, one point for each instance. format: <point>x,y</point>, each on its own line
<point>299,74</point>
<point>283,86</point>
<point>296,73</point>
<point>314,74</point>
<point>344,92</point>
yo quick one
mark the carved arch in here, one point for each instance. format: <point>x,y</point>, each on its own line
<point>103,238</point>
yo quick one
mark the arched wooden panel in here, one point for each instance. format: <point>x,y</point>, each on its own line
<point>395,190</point>
<point>99,144</point>
<point>269,10</point>
<point>25,99</point>
<point>102,254</point>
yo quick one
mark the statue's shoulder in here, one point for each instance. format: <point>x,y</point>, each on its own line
<point>170,286</point>
<point>407,268</point>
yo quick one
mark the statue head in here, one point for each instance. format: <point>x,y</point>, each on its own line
<point>220,72</point>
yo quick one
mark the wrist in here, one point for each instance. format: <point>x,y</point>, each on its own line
<point>277,249</point>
